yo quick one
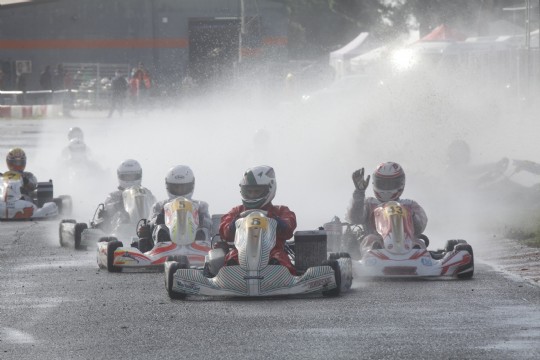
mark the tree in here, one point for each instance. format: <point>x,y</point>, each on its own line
<point>317,27</point>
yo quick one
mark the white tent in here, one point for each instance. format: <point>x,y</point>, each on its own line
<point>339,59</point>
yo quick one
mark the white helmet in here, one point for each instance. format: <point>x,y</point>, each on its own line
<point>75,133</point>
<point>388,181</point>
<point>180,181</point>
<point>258,186</point>
<point>129,174</point>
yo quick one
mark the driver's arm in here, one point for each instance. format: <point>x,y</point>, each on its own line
<point>227,228</point>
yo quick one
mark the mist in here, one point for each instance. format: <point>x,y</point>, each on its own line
<point>313,146</point>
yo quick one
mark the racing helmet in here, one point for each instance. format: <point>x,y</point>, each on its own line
<point>75,133</point>
<point>180,181</point>
<point>258,186</point>
<point>458,153</point>
<point>129,174</point>
<point>16,160</point>
<point>388,181</point>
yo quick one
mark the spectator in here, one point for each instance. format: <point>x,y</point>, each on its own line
<point>22,86</point>
<point>119,87</point>
<point>142,81</point>
<point>45,81</point>
<point>58,78</point>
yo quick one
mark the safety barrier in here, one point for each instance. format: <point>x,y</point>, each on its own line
<point>31,104</point>
<point>29,111</point>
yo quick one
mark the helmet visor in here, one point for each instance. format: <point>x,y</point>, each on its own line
<point>385,183</point>
<point>180,189</point>
<point>253,192</point>
<point>17,163</point>
<point>130,176</point>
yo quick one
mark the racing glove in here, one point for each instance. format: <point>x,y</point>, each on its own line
<point>281,225</point>
<point>144,232</point>
<point>358,179</point>
<point>232,226</point>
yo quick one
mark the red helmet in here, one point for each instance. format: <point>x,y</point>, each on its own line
<point>388,181</point>
<point>16,160</point>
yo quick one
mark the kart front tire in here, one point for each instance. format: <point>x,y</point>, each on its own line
<point>469,268</point>
<point>60,237</point>
<point>337,275</point>
<point>79,228</point>
<point>172,270</point>
<point>112,245</point>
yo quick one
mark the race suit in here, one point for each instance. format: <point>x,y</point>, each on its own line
<point>29,185</point>
<point>361,212</point>
<point>115,212</point>
<point>285,230</point>
<point>158,214</point>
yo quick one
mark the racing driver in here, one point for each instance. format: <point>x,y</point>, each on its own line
<point>257,189</point>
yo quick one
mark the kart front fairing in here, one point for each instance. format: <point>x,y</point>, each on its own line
<point>137,201</point>
<point>181,218</point>
<point>254,239</point>
<point>402,255</point>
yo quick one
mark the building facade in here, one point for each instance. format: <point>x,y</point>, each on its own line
<point>207,40</point>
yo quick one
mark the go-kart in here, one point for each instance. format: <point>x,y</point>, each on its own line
<point>14,205</point>
<point>137,201</point>
<point>254,276</point>
<point>181,236</point>
<point>400,253</point>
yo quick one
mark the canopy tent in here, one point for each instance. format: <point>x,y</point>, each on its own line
<point>339,59</point>
<point>361,63</point>
<point>444,33</point>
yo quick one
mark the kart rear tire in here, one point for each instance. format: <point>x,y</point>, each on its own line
<point>65,221</point>
<point>469,274</point>
<point>172,270</point>
<point>337,275</point>
<point>450,244</point>
<point>79,228</point>
<point>112,245</point>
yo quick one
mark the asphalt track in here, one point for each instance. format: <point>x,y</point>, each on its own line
<point>56,304</point>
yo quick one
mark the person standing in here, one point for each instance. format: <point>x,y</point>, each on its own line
<point>119,87</point>
<point>45,81</point>
<point>142,83</point>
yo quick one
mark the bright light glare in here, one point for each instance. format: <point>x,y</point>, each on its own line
<point>404,59</point>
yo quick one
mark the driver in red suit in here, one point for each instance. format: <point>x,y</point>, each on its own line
<point>258,188</point>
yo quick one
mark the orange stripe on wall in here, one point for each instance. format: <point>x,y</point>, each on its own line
<point>113,43</point>
<point>275,41</point>
<point>94,44</point>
